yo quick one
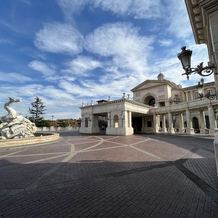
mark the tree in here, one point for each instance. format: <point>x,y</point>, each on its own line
<point>37,109</point>
<point>42,123</point>
<point>64,124</point>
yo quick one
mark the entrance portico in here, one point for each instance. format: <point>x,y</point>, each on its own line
<point>118,114</point>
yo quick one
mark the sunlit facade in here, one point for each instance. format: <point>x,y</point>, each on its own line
<point>161,105</point>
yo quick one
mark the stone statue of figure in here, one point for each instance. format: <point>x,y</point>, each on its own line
<point>14,125</point>
<point>11,112</point>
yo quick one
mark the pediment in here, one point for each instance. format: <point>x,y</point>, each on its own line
<point>149,84</point>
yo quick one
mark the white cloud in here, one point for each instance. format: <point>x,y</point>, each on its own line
<point>57,101</point>
<point>42,67</point>
<point>5,41</point>
<point>82,64</point>
<point>14,78</point>
<point>139,9</point>
<point>122,43</point>
<point>165,42</point>
<point>59,38</point>
<point>25,1</point>
<point>177,17</point>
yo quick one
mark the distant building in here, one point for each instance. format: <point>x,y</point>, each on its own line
<point>161,105</point>
<point>158,106</point>
<point>68,122</point>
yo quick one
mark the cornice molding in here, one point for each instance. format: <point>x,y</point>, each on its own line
<point>198,11</point>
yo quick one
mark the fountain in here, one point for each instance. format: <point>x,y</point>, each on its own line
<point>18,130</point>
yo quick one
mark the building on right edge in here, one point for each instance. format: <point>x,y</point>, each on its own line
<point>203,15</point>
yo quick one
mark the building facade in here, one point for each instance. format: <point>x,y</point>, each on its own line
<point>161,105</point>
<point>203,15</point>
<point>157,106</point>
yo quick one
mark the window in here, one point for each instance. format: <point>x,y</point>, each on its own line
<point>210,92</point>
<point>197,95</point>
<point>86,122</point>
<point>149,124</point>
<point>116,121</point>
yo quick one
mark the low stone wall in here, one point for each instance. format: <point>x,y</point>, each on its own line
<point>56,129</point>
<point>40,138</point>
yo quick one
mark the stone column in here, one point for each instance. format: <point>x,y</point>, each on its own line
<point>186,95</point>
<point>202,122</point>
<point>143,122</point>
<point>155,123</point>
<point>181,122</point>
<point>109,120</point>
<point>170,123</point>
<point>82,121</point>
<point>130,118</point>
<point>164,129</point>
<point>211,119</point>
<point>191,95</point>
<point>158,123</point>
<point>189,128</point>
<point>213,18</point>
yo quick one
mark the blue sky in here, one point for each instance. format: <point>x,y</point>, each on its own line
<point>71,51</point>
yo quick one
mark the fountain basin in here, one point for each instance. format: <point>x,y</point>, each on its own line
<point>40,137</point>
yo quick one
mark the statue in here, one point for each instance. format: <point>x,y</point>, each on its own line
<point>15,126</point>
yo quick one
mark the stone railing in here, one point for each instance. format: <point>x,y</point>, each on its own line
<point>56,129</point>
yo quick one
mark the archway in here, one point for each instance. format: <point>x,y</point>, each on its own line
<point>116,121</point>
<point>195,124</point>
<point>150,100</point>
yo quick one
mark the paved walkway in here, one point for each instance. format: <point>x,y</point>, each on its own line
<point>151,175</point>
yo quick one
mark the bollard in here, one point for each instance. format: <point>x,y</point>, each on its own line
<point>216,151</point>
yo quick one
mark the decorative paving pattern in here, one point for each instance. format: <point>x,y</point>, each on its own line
<point>202,163</point>
<point>110,176</point>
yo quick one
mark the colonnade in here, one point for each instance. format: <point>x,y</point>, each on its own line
<point>161,124</point>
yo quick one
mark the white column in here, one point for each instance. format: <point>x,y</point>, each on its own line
<point>181,122</point>
<point>189,129</point>
<point>130,118</point>
<point>202,122</point>
<point>191,95</point>
<point>158,123</point>
<point>155,123</point>
<point>82,122</point>
<point>109,120</point>
<point>170,123</point>
<point>164,123</point>
<point>213,18</point>
<point>186,95</point>
<point>143,122</point>
<point>211,119</point>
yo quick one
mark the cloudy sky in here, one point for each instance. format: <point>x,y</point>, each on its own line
<point>71,51</point>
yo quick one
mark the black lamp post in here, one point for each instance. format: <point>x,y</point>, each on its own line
<point>185,58</point>
<point>201,95</point>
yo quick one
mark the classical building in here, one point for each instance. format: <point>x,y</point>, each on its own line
<point>161,105</point>
<point>203,15</point>
<point>158,106</point>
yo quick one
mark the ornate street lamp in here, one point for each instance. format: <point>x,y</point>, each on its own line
<point>185,58</point>
<point>201,95</point>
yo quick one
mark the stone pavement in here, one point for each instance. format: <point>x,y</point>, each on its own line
<point>147,175</point>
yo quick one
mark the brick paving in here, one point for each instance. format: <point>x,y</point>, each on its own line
<point>147,175</point>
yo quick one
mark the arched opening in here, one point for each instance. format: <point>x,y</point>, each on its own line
<point>195,124</point>
<point>116,121</point>
<point>86,122</point>
<point>150,100</point>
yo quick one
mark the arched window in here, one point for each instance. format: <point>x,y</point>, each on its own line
<point>116,121</point>
<point>150,100</point>
<point>195,123</point>
<point>86,122</point>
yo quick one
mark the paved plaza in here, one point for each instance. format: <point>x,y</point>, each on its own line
<point>145,175</point>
